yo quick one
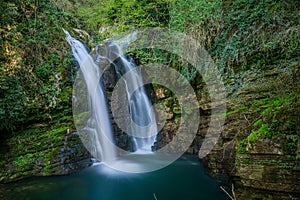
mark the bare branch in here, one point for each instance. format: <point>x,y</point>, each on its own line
<point>154,196</point>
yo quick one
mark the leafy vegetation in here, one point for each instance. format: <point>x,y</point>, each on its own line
<point>200,19</point>
<point>242,34</point>
<point>278,116</point>
<point>36,63</point>
<point>114,16</point>
<point>34,79</point>
<point>35,151</point>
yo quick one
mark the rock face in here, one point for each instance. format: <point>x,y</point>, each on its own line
<point>259,147</point>
<point>54,152</point>
<point>268,168</point>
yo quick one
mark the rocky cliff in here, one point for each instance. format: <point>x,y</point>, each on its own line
<point>38,152</point>
<point>259,149</point>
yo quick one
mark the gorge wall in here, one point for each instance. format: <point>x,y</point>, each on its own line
<point>259,147</point>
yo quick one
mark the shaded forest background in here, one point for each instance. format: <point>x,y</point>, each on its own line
<point>36,63</point>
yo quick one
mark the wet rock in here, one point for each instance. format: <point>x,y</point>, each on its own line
<point>269,166</point>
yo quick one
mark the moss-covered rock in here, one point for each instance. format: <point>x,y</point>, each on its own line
<point>42,153</point>
<point>258,148</point>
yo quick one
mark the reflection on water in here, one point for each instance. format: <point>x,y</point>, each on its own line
<point>183,180</point>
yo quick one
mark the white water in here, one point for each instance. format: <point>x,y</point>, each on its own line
<point>99,124</point>
<point>143,126</point>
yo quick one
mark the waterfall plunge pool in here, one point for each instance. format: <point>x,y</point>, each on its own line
<point>185,179</point>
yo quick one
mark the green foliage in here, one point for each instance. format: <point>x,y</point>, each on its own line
<point>22,163</point>
<point>200,19</point>
<point>146,56</point>
<point>186,12</point>
<point>292,146</point>
<point>268,198</point>
<point>241,150</point>
<point>258,123</point>
<point>246,160</point>
<point>253,137</point>
<point>257,33</point>
<point>114,16</point>
<point>278,117</point>
<point>2,163</point>
<point>12,103</point>
<point>241,34</point>
<point>240,109</point>
<point>242,146</point>
<point>32,53</point>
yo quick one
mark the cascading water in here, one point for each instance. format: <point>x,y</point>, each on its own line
<point>140,107</point>
<point>98,125</point>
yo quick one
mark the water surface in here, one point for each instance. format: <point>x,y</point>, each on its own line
<point>185,179</point>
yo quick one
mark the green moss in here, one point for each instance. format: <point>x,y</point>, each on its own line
<point>264,131</point>
<point>245,160</point>
<point>20,163</point>
<point>242,146</point>
<point>28,149</point>
<point>46,170</point>
<point>177,110</point>
<point>24,162</point>
<point>276,118</point>
<point>253,137</point>
<point>267,111</point>
<point>258,123</point>
<point>240,109</point>
<point>49,159</point>
<point>231,113</point>
<point>268,198</point>
<point>57,131</point>
<point>27,173</point>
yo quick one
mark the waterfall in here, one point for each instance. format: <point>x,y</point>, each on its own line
<point>98,125</point>
<point>140,107</point>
